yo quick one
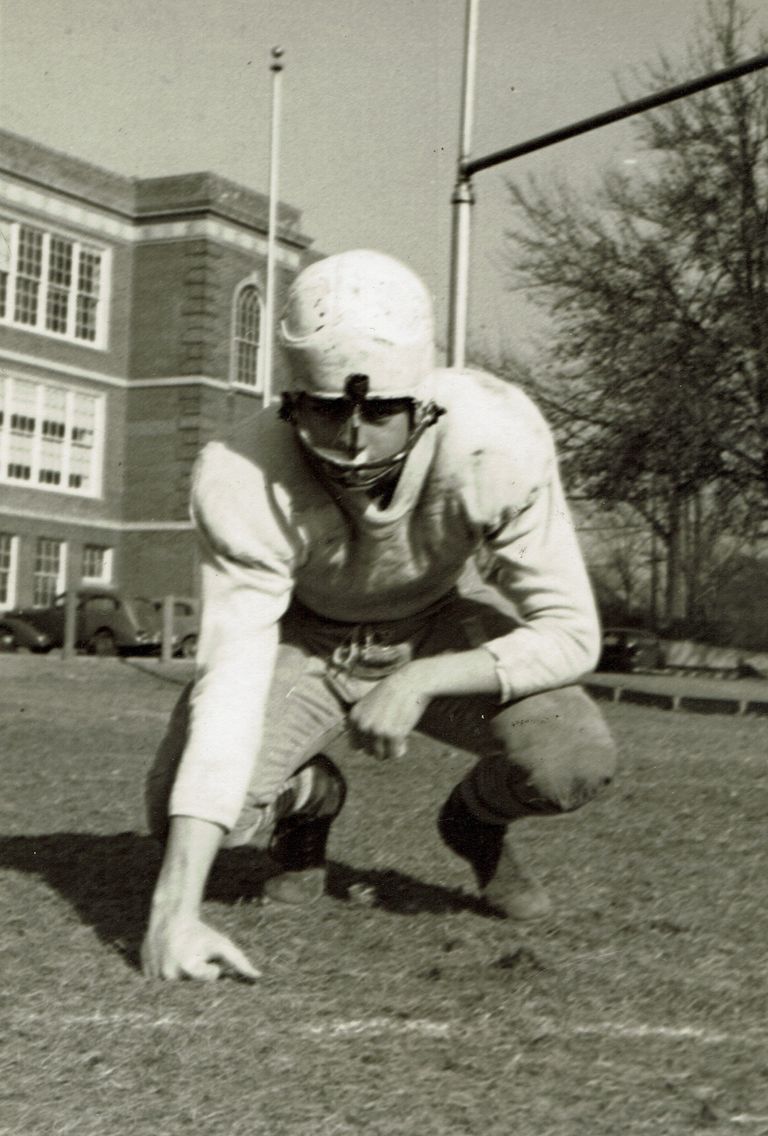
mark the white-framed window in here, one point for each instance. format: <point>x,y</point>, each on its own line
<point>51,437</point>
<point>9,555</point>
<point>97,564</point>
<point>247,321</point>
<point>53,283</point>
<point>49,578</point>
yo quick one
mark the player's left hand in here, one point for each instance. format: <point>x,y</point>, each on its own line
<point>385,717</point>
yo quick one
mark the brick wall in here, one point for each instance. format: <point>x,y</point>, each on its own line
<point>29,529</point>
<point>160,563</point>
<point>198,236</point>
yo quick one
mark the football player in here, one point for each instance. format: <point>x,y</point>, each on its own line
<point>336,532</point>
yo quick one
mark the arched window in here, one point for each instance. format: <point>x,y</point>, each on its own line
<point>246,339</point>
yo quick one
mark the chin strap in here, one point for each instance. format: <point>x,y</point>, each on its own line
<point>430,414</point>
<point>287,411</point>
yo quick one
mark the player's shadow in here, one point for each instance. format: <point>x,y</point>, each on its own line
<point>400,893</point>
<point>240,874</point>
<point>108,880</point>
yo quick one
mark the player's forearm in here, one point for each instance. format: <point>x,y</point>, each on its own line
<point>227,704</point>
<point>466,672</point>
<point>189,854</point>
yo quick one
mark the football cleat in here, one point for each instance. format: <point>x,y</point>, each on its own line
<point>299,841</point>
<point>503,881</point>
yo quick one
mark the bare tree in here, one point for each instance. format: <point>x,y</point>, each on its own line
<point>658,290</point>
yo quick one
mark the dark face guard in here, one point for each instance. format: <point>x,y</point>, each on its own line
<point>355,401</point>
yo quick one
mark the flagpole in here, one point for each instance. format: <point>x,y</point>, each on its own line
<point>276,67</point>
<point>462,201</point>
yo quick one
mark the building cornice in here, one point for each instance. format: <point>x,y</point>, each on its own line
<point>97,522</point>
<point>136,199</point>
<point>185,381</point>
<point>20,359</point>
<point>68,370</point>
<point>207,224</point>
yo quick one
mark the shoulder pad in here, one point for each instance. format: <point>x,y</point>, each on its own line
<point>493,428</point>
<point>234,506</point>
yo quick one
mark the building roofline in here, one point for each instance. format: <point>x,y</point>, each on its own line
<point>20,157</point>
<point>177,196</point>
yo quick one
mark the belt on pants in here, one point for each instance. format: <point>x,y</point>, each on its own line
<point>371,649</point>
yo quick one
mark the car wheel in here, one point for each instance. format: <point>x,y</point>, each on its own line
<point>102,643</point>
<point>188,647</point>
<point>8,641</point>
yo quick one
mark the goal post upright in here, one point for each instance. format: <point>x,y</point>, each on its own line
<point>462,201</point>
<point>463,197</point>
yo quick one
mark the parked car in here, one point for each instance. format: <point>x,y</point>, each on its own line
<point>106,623</point>
<point>17,634</point>
<point>186,624</point>
<point>631,649</point>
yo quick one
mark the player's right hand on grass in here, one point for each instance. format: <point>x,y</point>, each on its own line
<point>188,948</point>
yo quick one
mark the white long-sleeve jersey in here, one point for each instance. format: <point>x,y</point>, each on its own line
<point>483,478</point>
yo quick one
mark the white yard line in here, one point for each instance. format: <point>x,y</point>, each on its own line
<point>363,1026</point>
<point>371,1027</point>
<point>675,1033</point>
<point>122,1018</point>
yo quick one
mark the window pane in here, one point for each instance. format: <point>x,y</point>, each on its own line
<point>57,309</point>
<point>27,292</point>
<point>83,427</point>
<point>83,420</point>
<point>51,462</point>
<point>19,471</point>
<point>247,360</point>
<point>54,403</point>
<point>30,252</point>
<point>48,563</point>
<point>29,268</point>
<point>249,315</point>
<point>60,262</point>
<point>56,284</point>
<point>85,323</point>
<point>6,565</point>
<point>21,410</point>
<point>5,244</point>
<point>49,435</point>
<point>5,262</point>
<point>88,280</point>
<point>247,336</point>
<point>96,562</point>
<point>80,471</point>
<point>22,413</point>
<point>89,273</point>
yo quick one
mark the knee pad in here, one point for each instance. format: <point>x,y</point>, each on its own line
<point>555,754</point>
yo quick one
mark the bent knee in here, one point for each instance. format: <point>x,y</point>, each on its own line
<point>561,750</point>
<point>572,779</point>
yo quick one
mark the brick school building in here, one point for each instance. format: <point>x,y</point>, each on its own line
<point>131,319</point>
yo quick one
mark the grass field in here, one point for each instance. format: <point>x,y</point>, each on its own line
<point>640,1007</point>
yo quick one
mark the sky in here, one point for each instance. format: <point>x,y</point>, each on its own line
<point>371,99</point>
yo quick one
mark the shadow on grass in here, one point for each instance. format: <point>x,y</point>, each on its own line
<point>400,893</point>
<point>108,880</point>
